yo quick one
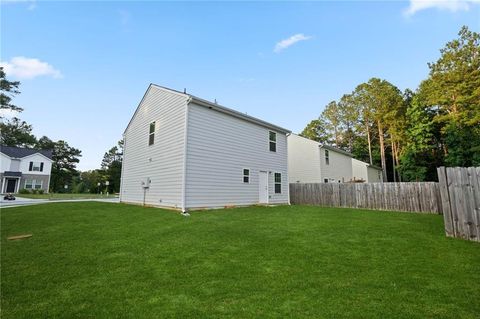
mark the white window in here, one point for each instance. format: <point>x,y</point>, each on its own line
<point>246,175</point>
<point>28,184</point>
<point>278,183</point>
<point>272,137</point>
<point>325,180</point>
<point>33,184</point>
<point>35,167</point>
<point>327,157</point>
<point>151,134</point>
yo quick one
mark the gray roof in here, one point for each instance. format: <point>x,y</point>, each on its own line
<point>335,149</point>
<point>20,152</point>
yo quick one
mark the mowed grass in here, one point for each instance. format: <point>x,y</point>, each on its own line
<point>100,260</point>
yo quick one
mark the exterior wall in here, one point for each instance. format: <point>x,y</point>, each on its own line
<point>161,162</point>
<point>41,179</point>
<point>374,175</point>
<point>219,147</point>
<point>25,163</point>
<point>339,169</point>
<point>4,163</point>
<point>303,160</point>
<point>359,170</point>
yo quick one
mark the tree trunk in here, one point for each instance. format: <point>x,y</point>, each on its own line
<point>369,138</point>
<point>393,162</point>
<point>382,151</point>
<point>397,151</point>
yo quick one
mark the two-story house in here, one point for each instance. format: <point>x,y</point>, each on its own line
<point>312,162</point>
<point>24,168</point>
<point>184,152</point>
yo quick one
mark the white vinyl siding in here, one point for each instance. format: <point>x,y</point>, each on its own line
<point>162,162</point>
<point>339,167</point>
<point>303,160</point>
<point>218,145</point>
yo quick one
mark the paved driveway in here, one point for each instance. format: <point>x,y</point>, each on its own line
<point>20,201</point>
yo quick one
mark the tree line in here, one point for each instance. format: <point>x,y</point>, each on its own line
<point>410,133</point>
<point>65,177</point>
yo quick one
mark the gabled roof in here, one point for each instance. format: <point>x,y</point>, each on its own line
<point>20,152</point>
<point>335,149</point>
<point>214,106</point>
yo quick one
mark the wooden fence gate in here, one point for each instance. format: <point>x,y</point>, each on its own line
<point>460,193</point>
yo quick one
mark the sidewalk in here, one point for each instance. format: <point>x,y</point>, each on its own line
<point>20,201</point>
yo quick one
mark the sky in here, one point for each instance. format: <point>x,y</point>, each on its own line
<point>84,66</point>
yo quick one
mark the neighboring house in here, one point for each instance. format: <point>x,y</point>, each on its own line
<point>366,172</point>
<point>24,168</point>
<point>312,162</point>
<point>186,153</point>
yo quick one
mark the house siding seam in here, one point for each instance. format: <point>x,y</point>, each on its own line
<point>162,162</point>
<point>219,147</point>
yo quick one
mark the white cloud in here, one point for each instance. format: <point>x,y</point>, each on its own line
<point>282,45</point>
<point>29,68</point>
<point>32,4</point>
<point>449,5</point>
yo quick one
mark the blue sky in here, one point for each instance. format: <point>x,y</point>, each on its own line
<point>84,66</point>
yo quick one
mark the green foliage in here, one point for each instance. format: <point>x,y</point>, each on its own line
<point>24,191</point>
<point>316,130</point>
<point>65,158</point>
<point>112,167</point>
<point>437,125</point>
<point>8,89</point>
<point>16,132</point>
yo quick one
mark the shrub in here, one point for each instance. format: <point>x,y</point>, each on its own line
<point>41,191</point>
<point>34,191</point>
<point>24,191</point>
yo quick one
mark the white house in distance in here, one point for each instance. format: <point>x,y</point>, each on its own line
<point>184,152</point>
<point>312,162</point>
<point>24,168</point>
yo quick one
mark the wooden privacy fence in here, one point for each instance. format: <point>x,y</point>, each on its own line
<point>409,197</point>
<point>460,192</point>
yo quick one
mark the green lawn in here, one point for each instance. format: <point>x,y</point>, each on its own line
<point>100,260</point>
<point>55,196</point>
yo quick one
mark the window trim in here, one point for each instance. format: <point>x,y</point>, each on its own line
<point>246,175</point>
<point>275,183</point>
<point>272,141</point>
<point>151,134</point>
<point>327,157</point>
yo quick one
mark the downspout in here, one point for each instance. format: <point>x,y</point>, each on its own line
<point>288,181</point>
<point>184,177</point>
<point>123,166</point>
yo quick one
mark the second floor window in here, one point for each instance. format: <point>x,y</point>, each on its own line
<point>151,134</point>
<point>272,136</point>
<point>35,167</point>
<point>327,157</point>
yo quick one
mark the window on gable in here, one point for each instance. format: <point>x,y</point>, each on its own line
<point>278,183</point>
<point>246,175</point>
<point>327,157</point>
<point>35,167</point>
<point>272,136</point>
<point>151,134</point>
<point>325,180</point>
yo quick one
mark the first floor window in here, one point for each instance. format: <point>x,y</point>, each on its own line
<point>246,175</point>
<point>33,184</point>
<point>278,183</point>
<point>29,184</point>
